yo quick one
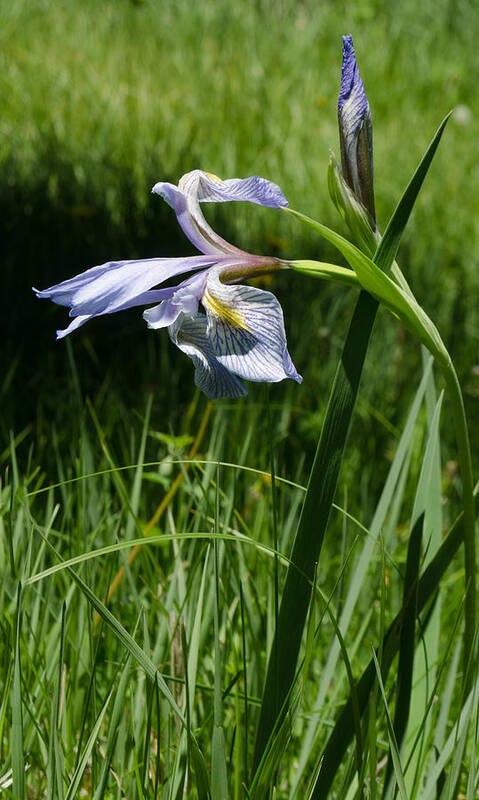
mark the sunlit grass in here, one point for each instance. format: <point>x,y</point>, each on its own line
<point>165,601</point>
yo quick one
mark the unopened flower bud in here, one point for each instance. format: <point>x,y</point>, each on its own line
<point>355,130</point>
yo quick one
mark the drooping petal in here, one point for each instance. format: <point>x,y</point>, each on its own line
<point>76,323</point>
<point>355,129</point>
<point>116,285</point>
<point>189,334</point>
<point>184,300</point>
<point>143,299</point>
<point>198,186</point>
<point>246,331</point>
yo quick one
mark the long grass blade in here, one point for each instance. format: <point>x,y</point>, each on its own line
<point>406,644</point>
<point>453,747</point>
<point>77,775</point>
<point>18,761</point>
<point>113,727</point>
<point>427,659</point>
<point>219,779</point>
<point>393,744</point>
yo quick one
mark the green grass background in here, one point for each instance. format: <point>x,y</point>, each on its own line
<point>99,100</point>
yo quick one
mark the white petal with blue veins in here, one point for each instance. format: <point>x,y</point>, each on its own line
<point>246,331</point>
<point>189,334</point>
<point>208,188</point>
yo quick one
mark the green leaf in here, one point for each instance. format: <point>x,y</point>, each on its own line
<point>390,241</point>
<point>454,747</point>
<point>114,723</point>
<point>325,470</point>
<point>372,278</point>
<point>393,744</point>
<point>77,775</point>
<point>200,771</point>
<point>429,655</point>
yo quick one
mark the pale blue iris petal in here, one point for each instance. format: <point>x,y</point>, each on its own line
<point>113,286</point>
<point>208,188</point>
<point>289,368</point>
<point>212,189</point>
<point>198,186</point>
<point>184,202</point>
<point>189,334</point>
<point>76,323</point>
<point>143,299</point>
<point>246,331</point>
<point>162,315</point>
<point>184,300</point>
<point>171,194</point>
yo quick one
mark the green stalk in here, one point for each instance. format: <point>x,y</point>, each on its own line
<point>331,272</point>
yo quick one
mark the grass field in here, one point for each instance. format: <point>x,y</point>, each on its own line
<point>110,457</point>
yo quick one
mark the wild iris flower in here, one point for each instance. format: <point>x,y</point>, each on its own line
<point>241,335</point>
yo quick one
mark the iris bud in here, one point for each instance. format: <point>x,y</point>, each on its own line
<point>356,216</point>
<point>355,130</point>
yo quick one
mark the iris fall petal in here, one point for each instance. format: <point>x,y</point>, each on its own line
<point>190,335</point>
<point>246,330</point>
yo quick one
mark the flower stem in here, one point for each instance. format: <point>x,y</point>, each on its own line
<point>465,461</point>
<point>320,269</point>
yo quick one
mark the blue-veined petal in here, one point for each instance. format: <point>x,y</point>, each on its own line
<point>184,300</point>
<point>189,334</point>
<point>246,331</point>
<point>115,285</point>
<point>355,129</point>
<point>211,189</point>
<point>198,186</point>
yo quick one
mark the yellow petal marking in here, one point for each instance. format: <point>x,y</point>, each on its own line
<point>213,177</point>
<point>223,311</point>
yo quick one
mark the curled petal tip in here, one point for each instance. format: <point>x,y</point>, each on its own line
<point>161,186</point>
<point>348,48</point>
<point>351,83</point>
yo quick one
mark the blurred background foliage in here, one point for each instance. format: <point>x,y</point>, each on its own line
<point>101,99</point>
